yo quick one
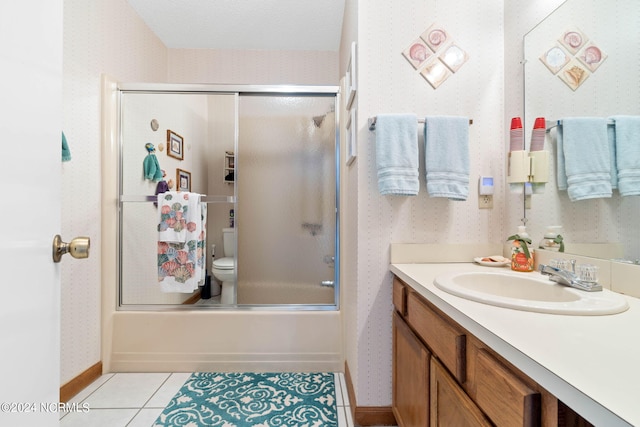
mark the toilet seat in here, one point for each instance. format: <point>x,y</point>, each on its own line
<point>226,263</point>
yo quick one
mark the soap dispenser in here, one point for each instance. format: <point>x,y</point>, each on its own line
<point>521,256</point>
<point>552,240</point>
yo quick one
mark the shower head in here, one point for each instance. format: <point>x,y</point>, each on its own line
<point>317,120</point>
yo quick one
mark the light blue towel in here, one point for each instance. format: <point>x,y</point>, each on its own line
<point>446,140</point>
<point>627,146</point>
<point>611,139</point>
<point>397,154</point>
<point>66,153</point>
<point>583,152</point>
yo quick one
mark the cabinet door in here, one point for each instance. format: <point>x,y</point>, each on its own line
<point>450,405</point>
<point>410,377</point>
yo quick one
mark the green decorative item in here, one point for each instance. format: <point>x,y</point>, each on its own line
<point>150,164</point>
<point>559,240</point>
<point>524,243</point>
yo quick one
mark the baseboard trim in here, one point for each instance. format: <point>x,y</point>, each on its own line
<point>367,415</point>
<point>193,298</point>
<point>77,384</point>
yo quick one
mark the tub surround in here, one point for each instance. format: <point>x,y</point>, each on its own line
<point>202,340</point>
<point>585,361</point>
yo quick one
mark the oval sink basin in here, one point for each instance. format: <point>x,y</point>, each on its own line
<point>529,292</point>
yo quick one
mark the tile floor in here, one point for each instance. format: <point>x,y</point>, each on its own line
<point>137,399</point>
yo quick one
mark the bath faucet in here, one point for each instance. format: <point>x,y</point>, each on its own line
<point>568,278</point>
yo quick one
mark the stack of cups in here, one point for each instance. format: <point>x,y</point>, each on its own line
<point>537,136</point>
<point>537,144</point>
<point>516,141</point>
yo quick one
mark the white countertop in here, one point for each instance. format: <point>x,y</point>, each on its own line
<point>591,363</point>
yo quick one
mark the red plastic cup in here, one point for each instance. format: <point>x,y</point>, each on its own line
<point>516,123</point>
<point>540,123</point>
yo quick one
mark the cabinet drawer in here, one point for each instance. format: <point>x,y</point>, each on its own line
<point>399,296</point>
<point>503,396</point>
<point>447,342</point>
<point>450,405</point>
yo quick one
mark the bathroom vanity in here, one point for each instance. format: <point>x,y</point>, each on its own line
<point>460,362</point>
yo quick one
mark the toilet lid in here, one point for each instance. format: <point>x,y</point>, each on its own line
<point>226,263</point>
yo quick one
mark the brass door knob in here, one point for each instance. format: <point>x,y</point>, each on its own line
<point>78,248</point>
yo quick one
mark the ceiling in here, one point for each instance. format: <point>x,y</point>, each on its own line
<point>244,24</point>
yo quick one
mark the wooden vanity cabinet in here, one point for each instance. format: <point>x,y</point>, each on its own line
<point>444,376</point>
<point>410,377</point>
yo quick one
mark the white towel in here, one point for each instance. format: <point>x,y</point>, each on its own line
<point>627,149</point>
<point>181,264</point>
<point>584,165</point>
<point>446,141</point>
<point>397,154</point>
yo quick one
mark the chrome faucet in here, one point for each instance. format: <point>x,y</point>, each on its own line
<point>569,278</point>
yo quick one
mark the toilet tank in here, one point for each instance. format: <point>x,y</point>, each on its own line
<point>229,241</point>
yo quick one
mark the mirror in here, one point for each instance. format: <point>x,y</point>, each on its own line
<point>264,164</point>
<point>612,89</point>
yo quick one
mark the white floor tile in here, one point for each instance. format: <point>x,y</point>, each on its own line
<point>145,417</point>
<point>345,393</point>
<point>162,397</point>
<point>347,411</point>
<point>88,390</point>
<point>339,398</point>
<point>137,399</point>
<point>99,418</point>
<point>342,418</point>
<point>91,388</point>
<point>126,390</point>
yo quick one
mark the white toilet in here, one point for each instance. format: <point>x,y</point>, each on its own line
<point>224,269</point>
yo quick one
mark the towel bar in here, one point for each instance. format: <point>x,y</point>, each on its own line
<point>372,122</point>
<point>553,123</point>
<point>204,199</point>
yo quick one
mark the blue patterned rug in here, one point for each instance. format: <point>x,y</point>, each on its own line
<point>253,400</point>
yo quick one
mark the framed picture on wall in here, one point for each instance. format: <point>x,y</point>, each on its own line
<point>175,145</point>
<point>351,137</point>
<point>183,179</point>
<point>350,78</point>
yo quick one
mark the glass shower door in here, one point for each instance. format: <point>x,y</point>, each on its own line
<point>286,209</point>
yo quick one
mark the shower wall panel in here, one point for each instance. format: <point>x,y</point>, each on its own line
<point>186,116</point>
<point>286,192</point>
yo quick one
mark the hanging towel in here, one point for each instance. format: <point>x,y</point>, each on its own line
<point>181,264</point>
<point>397,154</point>
<point>584,165</point>
<point>611,139</point>
<point>151,167</point>
<point>173,214</point>
<point>446,140</point>
<point>66,153</point>
<point>627,149</point>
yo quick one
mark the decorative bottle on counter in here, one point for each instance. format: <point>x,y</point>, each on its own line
<point>521,256</point>
<point>552,240</point>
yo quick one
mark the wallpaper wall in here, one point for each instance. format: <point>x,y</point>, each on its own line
<point>100,36</point>
<point>389,84</point>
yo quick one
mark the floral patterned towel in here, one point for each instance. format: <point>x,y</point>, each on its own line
<point>173,208</point>
<point>181,263</point>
